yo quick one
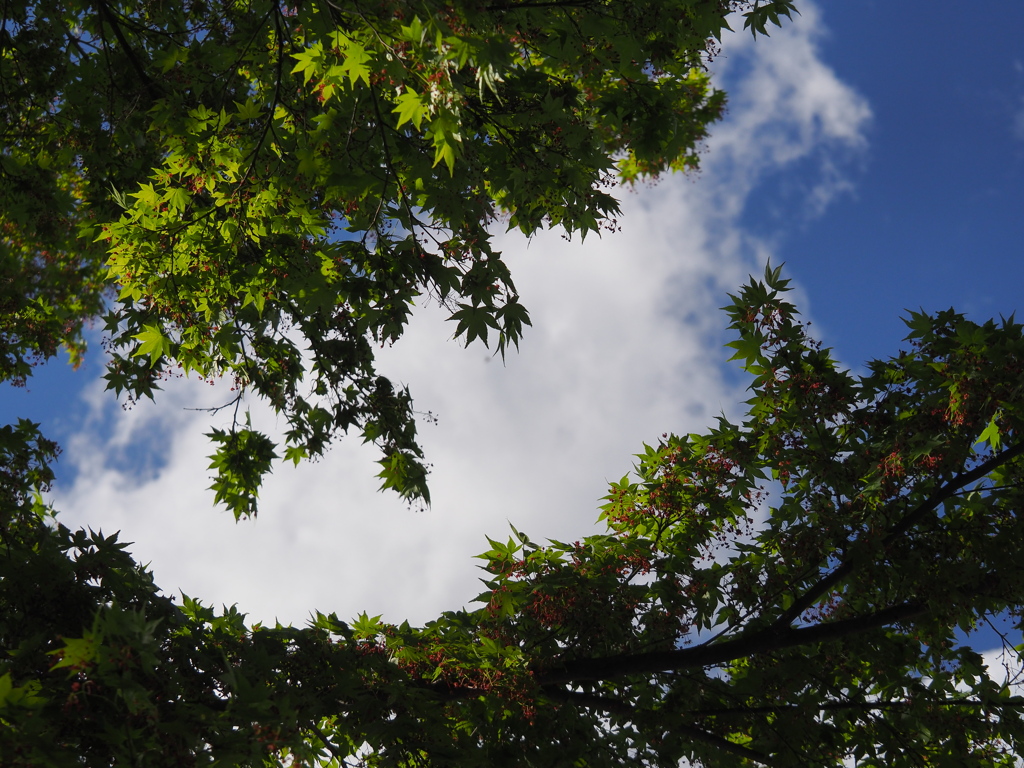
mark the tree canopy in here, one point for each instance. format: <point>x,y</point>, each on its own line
<point>261,191</point>
<point>789,589</point>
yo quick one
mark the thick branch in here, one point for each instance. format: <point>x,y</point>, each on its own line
<point>763,641</point>
<point>909,520</point>
<point>111,20</point>
<point>551,4</point>
<point>725,745</point>
<point>758,642</point>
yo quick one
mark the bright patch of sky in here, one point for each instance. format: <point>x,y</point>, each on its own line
<point>933,215</point>
<point>883,169</point>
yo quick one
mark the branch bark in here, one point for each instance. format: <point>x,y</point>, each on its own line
<point>110,19</point>
<point>757,642</point>
<point>908,521</point>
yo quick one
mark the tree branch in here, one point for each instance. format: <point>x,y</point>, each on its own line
<point>723,744</point>
<point>109,17</point>
<point>336,753</point>
<point>761,641</point>
<point>909,520</point>
<point>550,4</point>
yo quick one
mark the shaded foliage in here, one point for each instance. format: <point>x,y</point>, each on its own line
<point>786,590</point>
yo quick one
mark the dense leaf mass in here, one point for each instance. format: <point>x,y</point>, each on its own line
<point>267,188</point>
<point>788,590</point>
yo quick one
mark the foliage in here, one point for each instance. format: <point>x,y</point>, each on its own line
<point>787,590</point>
<point>268,188</point>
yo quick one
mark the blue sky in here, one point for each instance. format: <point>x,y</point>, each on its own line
<point>935,216</point>
<point>878,151</point>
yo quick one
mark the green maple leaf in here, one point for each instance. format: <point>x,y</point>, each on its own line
<point>474,321</point>
<point>152,342</point>
<point>747,349</point>
<point>443,150</point>
<point>355,64</point>
<point>177,198</point>
<point>308,62</point>
<point>78,652</point>
<point>250,110</point>
<point>147,194</point>
<point>991,434</point>
<point>412,107</point>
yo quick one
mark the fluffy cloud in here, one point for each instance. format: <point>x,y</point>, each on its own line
<point>626,344</point>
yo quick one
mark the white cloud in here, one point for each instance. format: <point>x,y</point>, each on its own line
<point>626,344</point>
<point>1004,665</point>
<point>785,106</point>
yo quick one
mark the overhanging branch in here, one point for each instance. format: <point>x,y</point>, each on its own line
<point>908,521</point>
<point>758,642</point>
<point>108,16</point>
